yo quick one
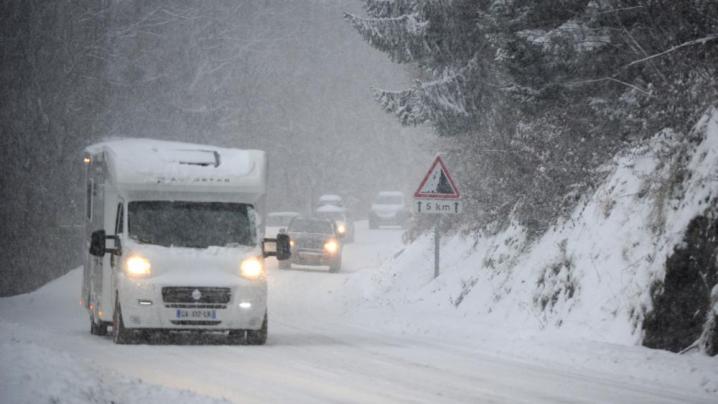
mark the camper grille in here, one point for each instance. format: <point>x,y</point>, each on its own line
<point>184,294</point>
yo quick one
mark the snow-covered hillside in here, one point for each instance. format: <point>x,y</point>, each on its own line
<point>591,275</point>
<point>324,347</point>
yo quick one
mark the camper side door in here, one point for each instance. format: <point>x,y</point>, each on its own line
<point>95,219</point>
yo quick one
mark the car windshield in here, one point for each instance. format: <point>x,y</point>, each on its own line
<point>279,220</point>
<point>330,200</point>
<point>311,226</point>
<point>389,200</point>
<point>191,224</point>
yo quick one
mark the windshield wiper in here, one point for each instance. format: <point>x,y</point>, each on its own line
<point>142,240</point>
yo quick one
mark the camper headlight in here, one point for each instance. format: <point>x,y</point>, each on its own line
<point>251,268</point>
<point>331,247</point>
<point>138,266</point>
<point>341,228</point>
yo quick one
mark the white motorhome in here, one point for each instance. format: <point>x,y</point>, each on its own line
<point>173,240</point>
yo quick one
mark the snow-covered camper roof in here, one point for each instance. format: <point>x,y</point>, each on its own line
<point>283,214</point>
<point>144,166</point>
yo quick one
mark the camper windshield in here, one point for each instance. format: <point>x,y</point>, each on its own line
<point>191,224</point>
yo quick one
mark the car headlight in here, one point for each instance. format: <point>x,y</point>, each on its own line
<point>251,268</point>
<point>291,243</point>
<point>331,246</point>
<point>341,228</point>
<point>138,266</point>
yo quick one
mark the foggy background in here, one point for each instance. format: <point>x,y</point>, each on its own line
<point>289,77</point>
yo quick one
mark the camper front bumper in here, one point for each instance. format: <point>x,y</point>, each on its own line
<point>224,307</point>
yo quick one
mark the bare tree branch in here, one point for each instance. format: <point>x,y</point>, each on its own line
<point>701,41</point>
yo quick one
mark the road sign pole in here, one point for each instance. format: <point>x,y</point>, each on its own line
<point>437,195</point>
<point>437,243</point>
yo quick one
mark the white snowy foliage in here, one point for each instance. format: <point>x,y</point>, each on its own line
<point>402,37</point>
<point>431,101</point>
<point>571,34</point>
<point>389,8</point>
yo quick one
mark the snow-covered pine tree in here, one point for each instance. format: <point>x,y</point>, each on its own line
<point>441,39</point>
<point>537,94</point>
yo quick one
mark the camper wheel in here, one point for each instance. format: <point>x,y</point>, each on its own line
<point>120,334</point>
<point>97,328</point>
<point>258,337</point>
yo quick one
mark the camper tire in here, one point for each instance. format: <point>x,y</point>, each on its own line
<point>97,328</point>
<point>258,337</point>
<point>120,334</point>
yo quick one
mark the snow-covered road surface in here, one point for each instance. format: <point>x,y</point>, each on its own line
<point>321,348</point>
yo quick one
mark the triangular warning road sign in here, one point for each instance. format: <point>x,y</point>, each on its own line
<point>437,183</point>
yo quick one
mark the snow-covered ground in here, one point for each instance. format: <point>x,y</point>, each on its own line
<point>343,337</point>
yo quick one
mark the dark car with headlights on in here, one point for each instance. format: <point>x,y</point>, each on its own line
<point>342,222</point>
<point>314,241</point>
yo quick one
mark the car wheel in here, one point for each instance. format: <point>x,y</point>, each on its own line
<point>284,264</point>
<point>258,337</point>
<point>335,266</point>
<point>120,334</point>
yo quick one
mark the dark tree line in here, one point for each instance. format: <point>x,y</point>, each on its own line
<point>250,74</point>
<point>51,93</point>
<point>533,96</point>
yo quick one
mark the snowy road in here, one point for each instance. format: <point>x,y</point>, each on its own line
<point>319,350</point>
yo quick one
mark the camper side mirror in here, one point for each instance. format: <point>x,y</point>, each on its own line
<point>281,248</point>
<point>284,250</point>
<point>98,245</point>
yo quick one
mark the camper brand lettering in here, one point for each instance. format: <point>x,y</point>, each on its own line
<point>194,180</point>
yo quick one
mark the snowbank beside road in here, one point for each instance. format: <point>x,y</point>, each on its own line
<point>32,373</point>
<point>589,276</point>
<point>588,279</point>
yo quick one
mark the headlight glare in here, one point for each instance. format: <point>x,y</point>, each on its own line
<point>138,266</point>
<point>331,246</point>
<point>251,268</point>
<point>341,228</point>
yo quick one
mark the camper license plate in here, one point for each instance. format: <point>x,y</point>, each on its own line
<point>192,314</point>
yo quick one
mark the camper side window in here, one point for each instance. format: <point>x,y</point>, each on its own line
<point>120,219</point>
<point>88,202</point>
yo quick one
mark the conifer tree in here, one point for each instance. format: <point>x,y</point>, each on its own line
<point>537,94</point>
